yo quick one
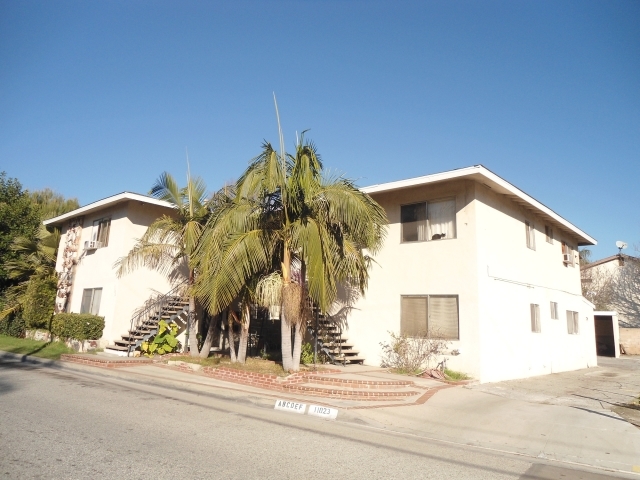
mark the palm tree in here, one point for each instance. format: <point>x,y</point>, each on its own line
<point>171,241</point>
<point>288,217</point>
<point>36,261</point>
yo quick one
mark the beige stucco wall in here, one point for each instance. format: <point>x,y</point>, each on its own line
<point>419,268</point>
<point>95,269</point>
<point>496,278</point>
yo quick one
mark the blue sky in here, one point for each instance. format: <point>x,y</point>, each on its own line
<point>100,97</point>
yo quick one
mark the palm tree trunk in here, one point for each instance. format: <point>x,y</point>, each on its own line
<point>208,341</point>
<point>192,331</point>
<point>285,331</point>
<point>244,333</point>
<point>297,346</point>
<point>232,340</point>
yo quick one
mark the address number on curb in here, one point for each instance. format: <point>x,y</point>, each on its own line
<point>324,412</point>
<point>288,406</point>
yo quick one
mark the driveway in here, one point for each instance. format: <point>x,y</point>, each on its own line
<point>613,386</point>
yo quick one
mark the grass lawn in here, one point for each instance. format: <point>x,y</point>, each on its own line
<point>453,375</point>
<point>25,346</point>
<point>256,365</point>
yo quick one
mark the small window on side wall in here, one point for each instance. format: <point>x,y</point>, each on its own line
<point>530,232</point>
<point>535,318</point>
<point>567,255</point>
<point>548,233</point>
<point>573,326</point>
<point>554,311</point>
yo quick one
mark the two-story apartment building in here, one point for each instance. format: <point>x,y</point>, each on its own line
<point>94,237</point>
<point>493,270</point>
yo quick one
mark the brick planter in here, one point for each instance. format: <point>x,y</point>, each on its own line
<point>98,361</point>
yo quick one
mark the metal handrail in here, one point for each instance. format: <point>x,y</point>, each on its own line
<point>153,309</point>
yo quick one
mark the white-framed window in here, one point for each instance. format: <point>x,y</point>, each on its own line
<point>91,300</point>
<point>436,315</point>
<point>548,233</point>
<point>567,255</point>
<point>100,232</point>
<point>531,236</point>
<point>554,311</point>
<point>535,318</point>
<point>426,221</point>
<point>573,326</point>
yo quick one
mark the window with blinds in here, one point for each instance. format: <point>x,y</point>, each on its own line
<point>428,221</point>
<point>554,311</point>
<point>435,315</point>
<point>573,327</point>
<point>535,318</point>
<point>91,300</point>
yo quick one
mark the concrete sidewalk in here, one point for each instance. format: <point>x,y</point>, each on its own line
<point>523,421</point>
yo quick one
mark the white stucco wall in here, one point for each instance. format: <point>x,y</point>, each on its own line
<point>496,278</point>
<point>120,296</point>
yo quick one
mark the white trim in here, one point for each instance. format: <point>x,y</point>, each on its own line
<point>491,180</point>
<point>121,197</point>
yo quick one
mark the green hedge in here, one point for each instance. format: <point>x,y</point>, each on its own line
<point>39,303</point>
<point>77,326</point>
<point>12,326</point>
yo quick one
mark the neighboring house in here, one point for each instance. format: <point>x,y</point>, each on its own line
<point>94,237</point>
<point>489,267</point>
<point>613,283</point>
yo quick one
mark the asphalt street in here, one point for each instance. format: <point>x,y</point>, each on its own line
<point>63,424</point>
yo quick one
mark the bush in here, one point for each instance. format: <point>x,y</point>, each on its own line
<point>77,326</point>
<point>13,327</point>
<point>307,354</point>
<point>40,300</point>
<point>411,354</point>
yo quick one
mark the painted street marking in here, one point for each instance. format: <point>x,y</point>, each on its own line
<point>324,412</point>
<point>287,406</point>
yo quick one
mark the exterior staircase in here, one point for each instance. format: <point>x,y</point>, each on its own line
<point>332,342</point>
<point>171,307</point>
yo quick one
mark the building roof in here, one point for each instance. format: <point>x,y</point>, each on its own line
<point>107,202</point>
<point>616,257</point>
<point>483,175</point>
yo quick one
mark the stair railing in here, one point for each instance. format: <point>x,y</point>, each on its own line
<point>153,309</point>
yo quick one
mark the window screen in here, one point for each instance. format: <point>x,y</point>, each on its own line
<point>91,300</point>
<point>443,316</point>
<point>433,314</point>
<point>414,222</point>
<point>535,318</point>
<point>413,316</point>
<point>572,323</point>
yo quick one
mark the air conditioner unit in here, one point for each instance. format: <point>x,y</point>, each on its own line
<point>567,258</point>
<point>92,244</point>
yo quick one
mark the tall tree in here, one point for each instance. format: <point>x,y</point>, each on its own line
<point>51,204</point>
<point>314,228</point>
<point>19,217</point>
<point>171,241</point>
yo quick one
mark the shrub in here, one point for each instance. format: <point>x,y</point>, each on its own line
<point>411,354</point>
<point>307,354</point>
<point>40,300</point>
<point>77,326</point>
<point>165,340</point>
<point>13,327</point>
